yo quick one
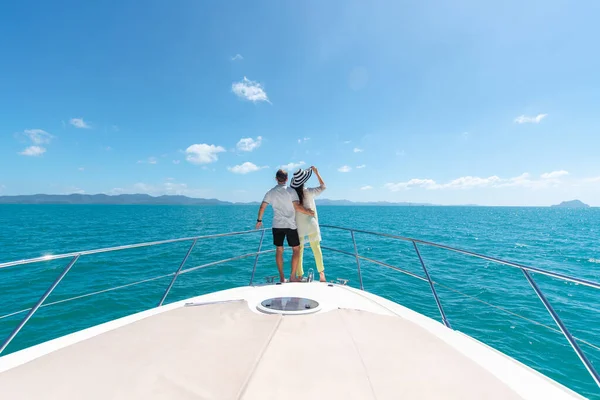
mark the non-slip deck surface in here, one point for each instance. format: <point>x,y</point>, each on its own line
<point>225,351</point>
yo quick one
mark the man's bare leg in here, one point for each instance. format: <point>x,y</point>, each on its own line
<point>279,260</point>
<point>295,258</point>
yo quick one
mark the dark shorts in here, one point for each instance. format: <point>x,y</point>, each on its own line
<point>279,234</point>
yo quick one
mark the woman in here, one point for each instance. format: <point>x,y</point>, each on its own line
<point>308,226</point>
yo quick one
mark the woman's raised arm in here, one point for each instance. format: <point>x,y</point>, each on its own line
<point>316,171</point>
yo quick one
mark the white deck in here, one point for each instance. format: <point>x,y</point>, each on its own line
<point>358,346</point>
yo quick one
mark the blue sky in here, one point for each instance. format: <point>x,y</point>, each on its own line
<point>444,102</point>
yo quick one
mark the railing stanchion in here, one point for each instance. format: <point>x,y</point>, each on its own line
<point>563,328</point>
<point>257,255</point>
<point>38,304</point>
<point>437,299</point>
<point>357,261</point>
<point>162,300</point>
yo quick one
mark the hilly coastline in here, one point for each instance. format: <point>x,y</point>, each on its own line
<point>109,199</point>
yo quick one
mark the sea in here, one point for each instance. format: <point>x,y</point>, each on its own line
<point>490,302</point>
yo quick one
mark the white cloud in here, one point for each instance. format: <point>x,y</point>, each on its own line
<point>79,123</point>
<point>464,182</point>
<point>170,188</point>
<point>249,90</point>
<point>303,140</point>
<point>368,187</point>
<point>249,144</point>
<point>524,180</point>
<point>423,183</point>
<point>400,153</point>
<point>38,136</point>
<point>523,119</point>
<point>245,168</point>
<point>164,188</point>
<point>116,191</point>
<point>176,161</point>
<point>357,150</point>
<point>291,166</point>
<point>592,180</point>
<point>150,160</point>
<point>73,190</point>
<point>347,141</point>
<point>548,179</point>
<point>81,169</point>
<point>33,151</point>
<point>554,174</point>
<point>203,153</point>
<point>360,166</point>
<point>237,57</point>
<point>345,168</point>
<point>467,182</point>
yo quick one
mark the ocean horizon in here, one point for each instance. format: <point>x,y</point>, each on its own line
<point>175,199</point>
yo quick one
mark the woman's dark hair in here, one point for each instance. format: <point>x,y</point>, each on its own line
<point>300,191</point>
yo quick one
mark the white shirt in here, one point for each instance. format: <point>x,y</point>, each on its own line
<point>280,198</point>
<point>308,226</point>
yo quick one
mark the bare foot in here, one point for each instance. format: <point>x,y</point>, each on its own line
<point>322,277</point>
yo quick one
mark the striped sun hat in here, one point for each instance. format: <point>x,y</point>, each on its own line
<point>300,177</point>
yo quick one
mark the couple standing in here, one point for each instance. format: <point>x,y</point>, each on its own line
<point>295,219</point>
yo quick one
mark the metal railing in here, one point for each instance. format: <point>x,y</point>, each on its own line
<point>527,270</point>
<point>75,257</point>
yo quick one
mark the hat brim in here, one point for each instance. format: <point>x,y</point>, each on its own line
<point>300,178</point>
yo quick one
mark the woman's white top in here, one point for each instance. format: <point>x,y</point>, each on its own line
<point>308,226</point>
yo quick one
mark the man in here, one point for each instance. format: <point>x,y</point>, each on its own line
<point>284,222</point>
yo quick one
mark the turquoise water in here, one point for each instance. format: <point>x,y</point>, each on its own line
<point>557,239</point>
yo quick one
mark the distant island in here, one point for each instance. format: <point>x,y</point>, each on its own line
<point>571,204</point>
<point>145,199</point>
